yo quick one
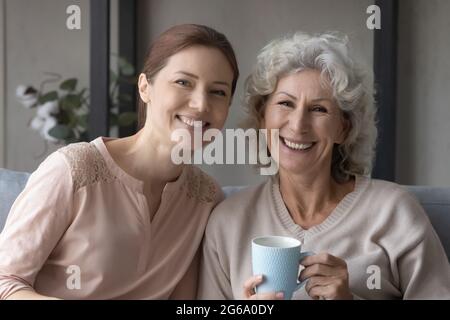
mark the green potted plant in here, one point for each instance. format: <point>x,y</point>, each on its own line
<point>62,113</point>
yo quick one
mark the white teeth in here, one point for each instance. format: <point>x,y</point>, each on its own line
<point>192,122</point>
<point>297,146</point>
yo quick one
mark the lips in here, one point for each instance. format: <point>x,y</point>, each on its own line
<point>192,122</point>
<point>297,146</point>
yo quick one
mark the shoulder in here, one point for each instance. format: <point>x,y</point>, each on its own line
<point>390,192</point>
<point>379,192</point>
<point>52,171</point>
<point>86,164</point>
<point>396,202</point>
<point>239,205</point>
<point>202,187</point>
<point>383,186</point>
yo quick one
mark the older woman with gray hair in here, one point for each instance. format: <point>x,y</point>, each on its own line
<point>310,90</point>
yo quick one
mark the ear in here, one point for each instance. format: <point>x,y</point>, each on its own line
<point>144,86</point>
<point>345,129</point>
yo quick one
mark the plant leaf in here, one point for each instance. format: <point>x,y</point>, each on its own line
<point>112,76</point>
<point>50,96</point>
<point>70,102</point>
<point>69,84</point>
<point>72,138</point>
<point>128,80</point>
<point>60,132</point>
<point>81,93</point>
<point>126,119</point>
<point>125,97</point>
<point>113,120</point>
<point>73,120</point>
<point>125,67</point>
<point>83,121</point>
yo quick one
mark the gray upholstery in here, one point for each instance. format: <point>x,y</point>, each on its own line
<point>11,183</point>
<point>436,201</point>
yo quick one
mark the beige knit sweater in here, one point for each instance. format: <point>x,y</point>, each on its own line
<point>378,224</point>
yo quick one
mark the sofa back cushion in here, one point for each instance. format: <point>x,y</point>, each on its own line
<point>435,201</point>
<point>11,184</point>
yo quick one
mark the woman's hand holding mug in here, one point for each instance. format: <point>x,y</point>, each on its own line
<point>276,261</point>
<point>327,277</point>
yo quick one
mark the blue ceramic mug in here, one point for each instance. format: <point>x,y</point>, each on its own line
<point>277,259</point>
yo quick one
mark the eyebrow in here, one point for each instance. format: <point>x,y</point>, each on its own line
<point>285,93</point>
<point>321,99</point>
<point>196,77</point>
<point>295,98</point>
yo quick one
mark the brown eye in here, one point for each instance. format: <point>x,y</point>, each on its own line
<point>285,103</point>
<point>319,109</point>
<point>182,82</point>
<point>219,93</point>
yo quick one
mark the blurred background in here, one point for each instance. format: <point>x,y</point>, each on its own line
<point>409,55</point>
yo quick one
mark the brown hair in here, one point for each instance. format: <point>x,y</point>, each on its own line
<point>176,39</point>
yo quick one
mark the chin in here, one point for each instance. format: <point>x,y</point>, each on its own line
<point>294,168</point>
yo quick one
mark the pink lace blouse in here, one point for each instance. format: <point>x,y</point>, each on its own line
<point>81,230</point>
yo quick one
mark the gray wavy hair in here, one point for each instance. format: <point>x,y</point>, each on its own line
<point>329,54</point>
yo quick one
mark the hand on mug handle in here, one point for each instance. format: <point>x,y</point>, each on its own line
<point>327,277</point>
<point>250,286</point>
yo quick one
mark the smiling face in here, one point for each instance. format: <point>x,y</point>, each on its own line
<point>309,120</point>
<point>195,85</point>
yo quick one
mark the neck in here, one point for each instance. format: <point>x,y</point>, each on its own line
<point>310,198</point>
<point>144,157</point>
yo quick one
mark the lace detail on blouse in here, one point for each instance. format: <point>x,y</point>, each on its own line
<point>86,164</point>
<point>199,185</point>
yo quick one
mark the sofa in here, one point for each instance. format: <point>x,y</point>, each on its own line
<point>435,200</point>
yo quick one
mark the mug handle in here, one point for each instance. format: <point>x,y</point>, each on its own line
<point>303,255</point>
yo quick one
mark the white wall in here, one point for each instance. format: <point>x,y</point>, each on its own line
<point>249,25</point>
<point>37,41</point>
<point>33,39</point>
<point>423,111</point>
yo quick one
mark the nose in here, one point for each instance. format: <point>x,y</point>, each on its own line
<point>299,120</point>
<point>199,101</point>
